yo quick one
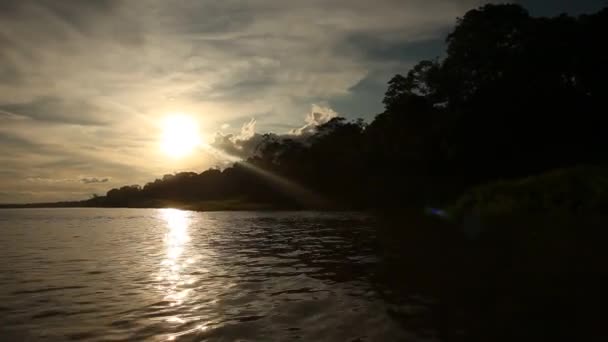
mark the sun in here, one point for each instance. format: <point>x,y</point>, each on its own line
<point>180,136</point>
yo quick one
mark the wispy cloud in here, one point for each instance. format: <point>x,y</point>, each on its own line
<point>94,180</point>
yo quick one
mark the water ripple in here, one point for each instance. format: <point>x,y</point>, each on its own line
<point>171,275</point>
<point>48,289</point>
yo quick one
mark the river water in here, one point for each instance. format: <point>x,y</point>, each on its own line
<point>172,275</point>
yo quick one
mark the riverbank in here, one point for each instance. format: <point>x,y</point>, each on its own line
<point>573,191</point>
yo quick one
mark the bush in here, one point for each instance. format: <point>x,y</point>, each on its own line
<point>573,191</point>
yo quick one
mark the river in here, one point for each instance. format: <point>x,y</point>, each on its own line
<point>172,275</point>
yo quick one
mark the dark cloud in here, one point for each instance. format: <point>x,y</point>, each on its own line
<point>15,150</point>
<point>243,90</point>
<point>93,180</point>
<point>184,16</point>
<point>57,110</point>
<point>556,7</point>
<point>376,49</point>
<point>8,72</point>
<point>76,13</point>
<point>12,142</point>
<point>35,33</point>
<point>11,6</point>
<point>364,99</point>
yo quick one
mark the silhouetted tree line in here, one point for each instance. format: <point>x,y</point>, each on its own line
<point>514,95</point>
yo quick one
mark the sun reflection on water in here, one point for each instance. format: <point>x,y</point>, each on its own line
<point>176,240</point>
<point>176,279</point>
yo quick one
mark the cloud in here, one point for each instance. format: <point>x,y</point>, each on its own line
<point>56,110</point>
<point>552,7</point>
<point>248,142</point>
<point>318,115</point>
<point>242,145</point>
<point>94,180</point>
<point>85,180</point>
<point>247,131</point>
<point>36,166</point>
<point>48,180</point>
<point>224,54</point>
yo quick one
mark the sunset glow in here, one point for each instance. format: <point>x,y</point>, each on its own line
<point>180,135</point>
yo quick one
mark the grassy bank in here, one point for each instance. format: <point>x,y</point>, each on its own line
<point>564,192</point>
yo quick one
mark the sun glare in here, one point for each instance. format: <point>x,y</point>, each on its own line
<point>180,136</point>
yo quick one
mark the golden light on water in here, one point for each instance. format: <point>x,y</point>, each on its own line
<point>177,234</point>
<point>175,280</point>
<point>180,135</point>
<point>176,240</point>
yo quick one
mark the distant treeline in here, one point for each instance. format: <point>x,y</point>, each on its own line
<point>513,96</point>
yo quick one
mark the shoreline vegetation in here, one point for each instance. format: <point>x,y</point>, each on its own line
<point>577,191</point>
<point>218,205</point>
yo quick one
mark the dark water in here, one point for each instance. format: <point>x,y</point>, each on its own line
<point>147,274</point>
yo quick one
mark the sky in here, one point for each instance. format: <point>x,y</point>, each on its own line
<point>86,85</point>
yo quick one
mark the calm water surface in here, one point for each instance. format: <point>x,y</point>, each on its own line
<point>166,274</point>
